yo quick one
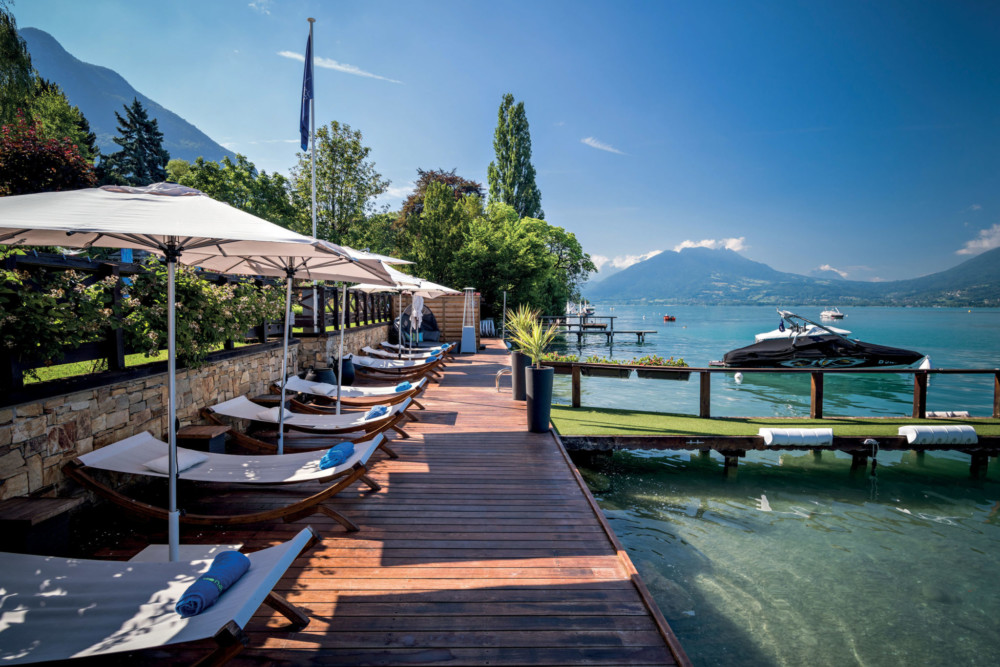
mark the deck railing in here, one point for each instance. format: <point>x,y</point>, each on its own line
<point>578,370</point>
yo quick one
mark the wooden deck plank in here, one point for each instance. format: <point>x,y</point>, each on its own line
<point>481,548</point>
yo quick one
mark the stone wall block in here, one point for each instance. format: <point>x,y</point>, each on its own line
<point>11,463</point>
<point>34,473</point>
<point>29,410</point>
<point>14,486</point>
<point>28,428</point>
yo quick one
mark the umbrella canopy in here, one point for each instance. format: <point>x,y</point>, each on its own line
<point>163,218</point>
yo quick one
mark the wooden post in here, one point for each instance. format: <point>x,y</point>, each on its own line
<point>114,340</point>
<point>859,461</point>
<point>336,307</point>
<point>996,396</point>
<point>920,395</point>
<point>980,462</point>
<point>575,383</point>
<point>321,297</point>
<point>705,411</point>
<point>816,396</point>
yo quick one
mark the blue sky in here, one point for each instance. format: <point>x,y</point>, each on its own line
<point>859,136</point>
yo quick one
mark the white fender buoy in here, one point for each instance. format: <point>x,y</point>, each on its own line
<point>926,364</point>
<point>739,378</point>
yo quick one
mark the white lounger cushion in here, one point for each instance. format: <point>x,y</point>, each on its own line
<point>384,354</point>
<point>131,455</point>
<point>959,434</point>
<point>295,383</point>
<point>242,407</point>
<point>370,362</point>
<point>777,437</point>
<point>185,459</point>
<point>60,608</point>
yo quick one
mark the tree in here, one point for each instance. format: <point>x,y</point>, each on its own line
<point>142,159</point>
<point>571,265</point>
<point>346,184</point>
<point>241,185</point>
<point>176,169</point>
<point>512,177</point>
<point>439,231</point>
<point>16,73</point>
<point>31,163</point>
<point>60,120</point>
<point>462,187</point>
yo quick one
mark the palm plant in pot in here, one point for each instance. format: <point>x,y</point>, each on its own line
<point>532,339</point>
<point>516,321</point>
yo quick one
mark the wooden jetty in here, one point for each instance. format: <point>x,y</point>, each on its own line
<point>483,547</point>
<point>585,326</point>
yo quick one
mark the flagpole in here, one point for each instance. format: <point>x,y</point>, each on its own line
<point>312,161</point>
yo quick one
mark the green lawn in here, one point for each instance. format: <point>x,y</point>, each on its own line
<point>595,421</point>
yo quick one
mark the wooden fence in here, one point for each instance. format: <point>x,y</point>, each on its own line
<point>920,376</point>
<point>111,347</point>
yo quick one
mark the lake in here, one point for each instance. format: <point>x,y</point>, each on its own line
<point>795,560</point>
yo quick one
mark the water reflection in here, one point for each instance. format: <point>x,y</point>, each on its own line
<point>796,561</point>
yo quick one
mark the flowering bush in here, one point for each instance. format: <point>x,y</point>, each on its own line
<point>30,163</point>
<point>564,358</point>
<point>207,314</point>
<point>45,311</point>
<point>648,360</point>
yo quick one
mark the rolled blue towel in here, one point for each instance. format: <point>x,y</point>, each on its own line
<point>224,571</point>
<point>336,455</point>
<point>432,358</point>
<point>377,411</point>
<point>404,385</point>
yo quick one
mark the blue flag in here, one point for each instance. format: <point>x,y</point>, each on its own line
<point>307,95</point>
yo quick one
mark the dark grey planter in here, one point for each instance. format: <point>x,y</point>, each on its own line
<point>659,373</point>
<point>606,371</point>
<point>539,395</point>
<point>518,362</point>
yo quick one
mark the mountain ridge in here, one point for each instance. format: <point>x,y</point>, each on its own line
<point>99,92</point>
<point>724,277</point>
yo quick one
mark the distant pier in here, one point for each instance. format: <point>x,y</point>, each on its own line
<point>586,324</point>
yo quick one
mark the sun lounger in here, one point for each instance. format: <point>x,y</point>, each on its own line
<point>134,456</point>
<point>348,426</point>
<point>355,396</point>
<point>385,354</point>
<point>62,608</point>
<point>446,348</point>
<point>394,369</point>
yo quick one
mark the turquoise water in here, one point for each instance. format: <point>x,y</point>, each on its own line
<point>952,338</point>
<point>796,560</point>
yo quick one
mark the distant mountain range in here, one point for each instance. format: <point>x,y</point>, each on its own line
<point>100,92</point>
<point>704,276</point>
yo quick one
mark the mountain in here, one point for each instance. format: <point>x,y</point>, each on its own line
<point>705,276</point>
<point>100,92</point>
<point>825,274</point>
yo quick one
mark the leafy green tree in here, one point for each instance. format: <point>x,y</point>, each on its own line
<point>240,184</point>
<point>571,265</point>
<point>511,176</point>
<point>176,169</point>
<point>16,73</point>
<point>346,184</point>
<point>59,119</point>
<point>142,159</point>
<point>437,234</point>
<point>31,163</point>
<point>378,234</point>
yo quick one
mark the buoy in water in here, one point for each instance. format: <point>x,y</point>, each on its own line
<point>738,378</point>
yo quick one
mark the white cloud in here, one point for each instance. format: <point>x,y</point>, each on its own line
<point>988,239</point>
<point>400,191</point>
<point>328,63</point>
<point>600,145</point>
<point>975,207</point>
<point>621,261</point>
<point>734,244</point>
<point>262,6</point>
<point>827,267</point>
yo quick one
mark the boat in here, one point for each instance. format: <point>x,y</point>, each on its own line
<point>801,343</point>
<point>832,314</point>
<point>669,318</point>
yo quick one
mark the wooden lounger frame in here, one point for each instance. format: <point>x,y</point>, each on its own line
<point>355,401</point>
<point>78,471</point>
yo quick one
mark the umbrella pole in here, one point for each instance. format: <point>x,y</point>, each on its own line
<point>399,349</point>
<point>340,356</point>
<point>174,516</point>
<point>284,361</point>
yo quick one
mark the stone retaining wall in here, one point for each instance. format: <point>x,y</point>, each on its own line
<point>37,438</point>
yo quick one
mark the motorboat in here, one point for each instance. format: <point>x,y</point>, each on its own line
<point>801,343</point>
<point>669,318</point>
<point>831,314</point>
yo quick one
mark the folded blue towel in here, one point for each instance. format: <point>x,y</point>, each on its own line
<point>404,385</point>
<point>336,455</point>
<point>431,358</point>
<point>224,571</point>
<point>377,411</point>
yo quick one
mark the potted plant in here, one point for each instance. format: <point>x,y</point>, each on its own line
<point>532,339</point>
<point>658,368</point>
<point>605,368</point>
<point>517,320</point>
<point>563,363</point>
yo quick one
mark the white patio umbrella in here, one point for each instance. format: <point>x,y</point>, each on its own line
<point>411,285</point>
<point>165,219</point>
<point>348,266</point>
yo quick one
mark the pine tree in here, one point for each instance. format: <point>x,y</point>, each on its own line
<point>142,159</point>
<point>512,177</point>
<point>16,74</point>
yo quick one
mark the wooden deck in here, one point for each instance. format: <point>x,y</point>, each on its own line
<point>482,548</point>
